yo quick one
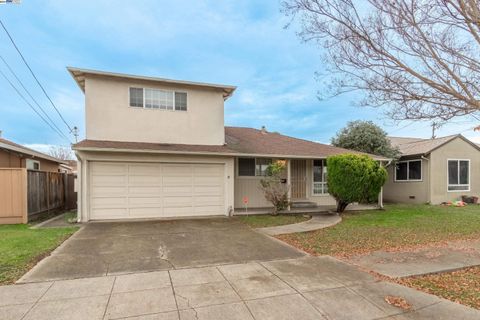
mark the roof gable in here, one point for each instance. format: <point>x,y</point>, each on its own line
<point>418,146</point>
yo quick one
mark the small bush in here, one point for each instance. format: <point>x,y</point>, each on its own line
<point>354,178</point>
<point>272,187</point>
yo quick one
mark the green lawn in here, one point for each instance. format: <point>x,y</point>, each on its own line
<point>21,248</point>
<point>266,220</point>
<point>396,227</point>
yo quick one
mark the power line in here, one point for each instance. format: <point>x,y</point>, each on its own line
<point>31,97</point>
<point>34,76</point>
<point>30,105</point>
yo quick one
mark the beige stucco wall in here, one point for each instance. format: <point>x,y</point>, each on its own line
<point>402,191</point>
<point>250,187</point>
<point>109,116</point>
<point>13,160</point>
<point>88,157</point>
<point>456,149</point>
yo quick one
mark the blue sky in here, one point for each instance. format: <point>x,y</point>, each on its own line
<point>243,43</point>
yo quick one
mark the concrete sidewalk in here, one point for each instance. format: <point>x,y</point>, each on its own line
<point>316,222</point>
<point>304,288</point>
<point>429,259</point>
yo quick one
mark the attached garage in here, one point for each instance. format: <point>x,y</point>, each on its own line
<point>133,190</point>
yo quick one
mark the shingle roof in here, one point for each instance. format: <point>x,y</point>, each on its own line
<point>239,141</point>
<point>9,145</point>
<point>417,146</point>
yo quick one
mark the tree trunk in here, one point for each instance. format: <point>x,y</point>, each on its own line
<point>341,205</point>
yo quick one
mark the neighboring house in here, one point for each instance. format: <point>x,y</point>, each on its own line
<point>13,155</point>
<point>158,148</point>
<point>433,170</point>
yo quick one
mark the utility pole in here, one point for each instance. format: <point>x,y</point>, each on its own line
<point>75,133</point>
<point>435,126</point>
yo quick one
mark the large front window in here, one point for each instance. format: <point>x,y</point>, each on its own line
<point>320,177</point>
<point>410,170</point>
<point>458,175</point>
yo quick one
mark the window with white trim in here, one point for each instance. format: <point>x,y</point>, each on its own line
<point>458,175</point>
<point>158,99</point>
<point>32,164</point>
<point>320,177</point>
<point>251,167</point>
<point>409,170</point>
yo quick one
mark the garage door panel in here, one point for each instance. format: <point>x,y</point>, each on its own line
<point>109,213</point>
<point>106,168</point>
<point>207,210</point>
<point>146,212</point>
<point>136,180</point>
<point>144,169</point>
<point>151,190</point>
<point>109,180</point>
<point>147,201</point>
<point>177,170</point>
<point>172,190</point>
<point>145,191</point>
<point>177,201</point>
<point>207,170</point>
<point>109,202</point>
<point>109,191</point>
<point>207,200</point>
<point>215,190</point>
<point>177,181</point>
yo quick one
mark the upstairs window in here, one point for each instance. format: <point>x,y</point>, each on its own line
<point>410,170</point>
<point>136,97</point>
<point>158,99</point>
<point>458,175</point>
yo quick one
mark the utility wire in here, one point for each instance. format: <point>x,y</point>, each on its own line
<point>31,97</point>
<point>34,76</point>
<point>30,105</point>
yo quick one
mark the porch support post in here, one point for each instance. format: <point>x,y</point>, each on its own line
<point>289,184</point>
<point>380,198</point>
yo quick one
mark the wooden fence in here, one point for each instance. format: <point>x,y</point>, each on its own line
<point>13,195</point>
<point>25,195</point>
<point>50,191</point>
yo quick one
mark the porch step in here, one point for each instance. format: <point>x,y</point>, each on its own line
<point>303,204</point>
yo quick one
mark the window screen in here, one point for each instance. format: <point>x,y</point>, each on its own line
<point>415,170</point>
<point>246,167</point>
<point>458,175</point>
<point>181,101</point>
<point>136,97</point>
<point>401,171</point>
<point>261,165</point>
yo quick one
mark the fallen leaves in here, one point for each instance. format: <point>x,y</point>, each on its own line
<point>398,302</point>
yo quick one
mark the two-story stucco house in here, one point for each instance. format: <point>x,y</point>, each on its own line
<point>433,170</point>
<point>158,148</point>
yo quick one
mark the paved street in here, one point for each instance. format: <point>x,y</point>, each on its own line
<point>303,288</point>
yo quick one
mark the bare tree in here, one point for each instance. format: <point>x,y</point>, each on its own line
<point>60,152</point>
<point>421,58</point>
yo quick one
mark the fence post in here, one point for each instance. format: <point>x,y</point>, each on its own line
<point>47,181</point>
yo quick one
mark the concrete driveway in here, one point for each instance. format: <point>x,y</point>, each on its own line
<point>112,248</point>
<point>304,288</point>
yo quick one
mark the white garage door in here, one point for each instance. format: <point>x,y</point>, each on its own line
<point>121,190</point>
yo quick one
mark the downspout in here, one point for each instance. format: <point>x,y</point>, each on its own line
<point>429,187</point>
<point>79,183</point>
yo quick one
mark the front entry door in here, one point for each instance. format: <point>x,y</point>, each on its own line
<point>298,173</point>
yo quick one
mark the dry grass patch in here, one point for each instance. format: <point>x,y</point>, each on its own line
<point>462,286</point>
